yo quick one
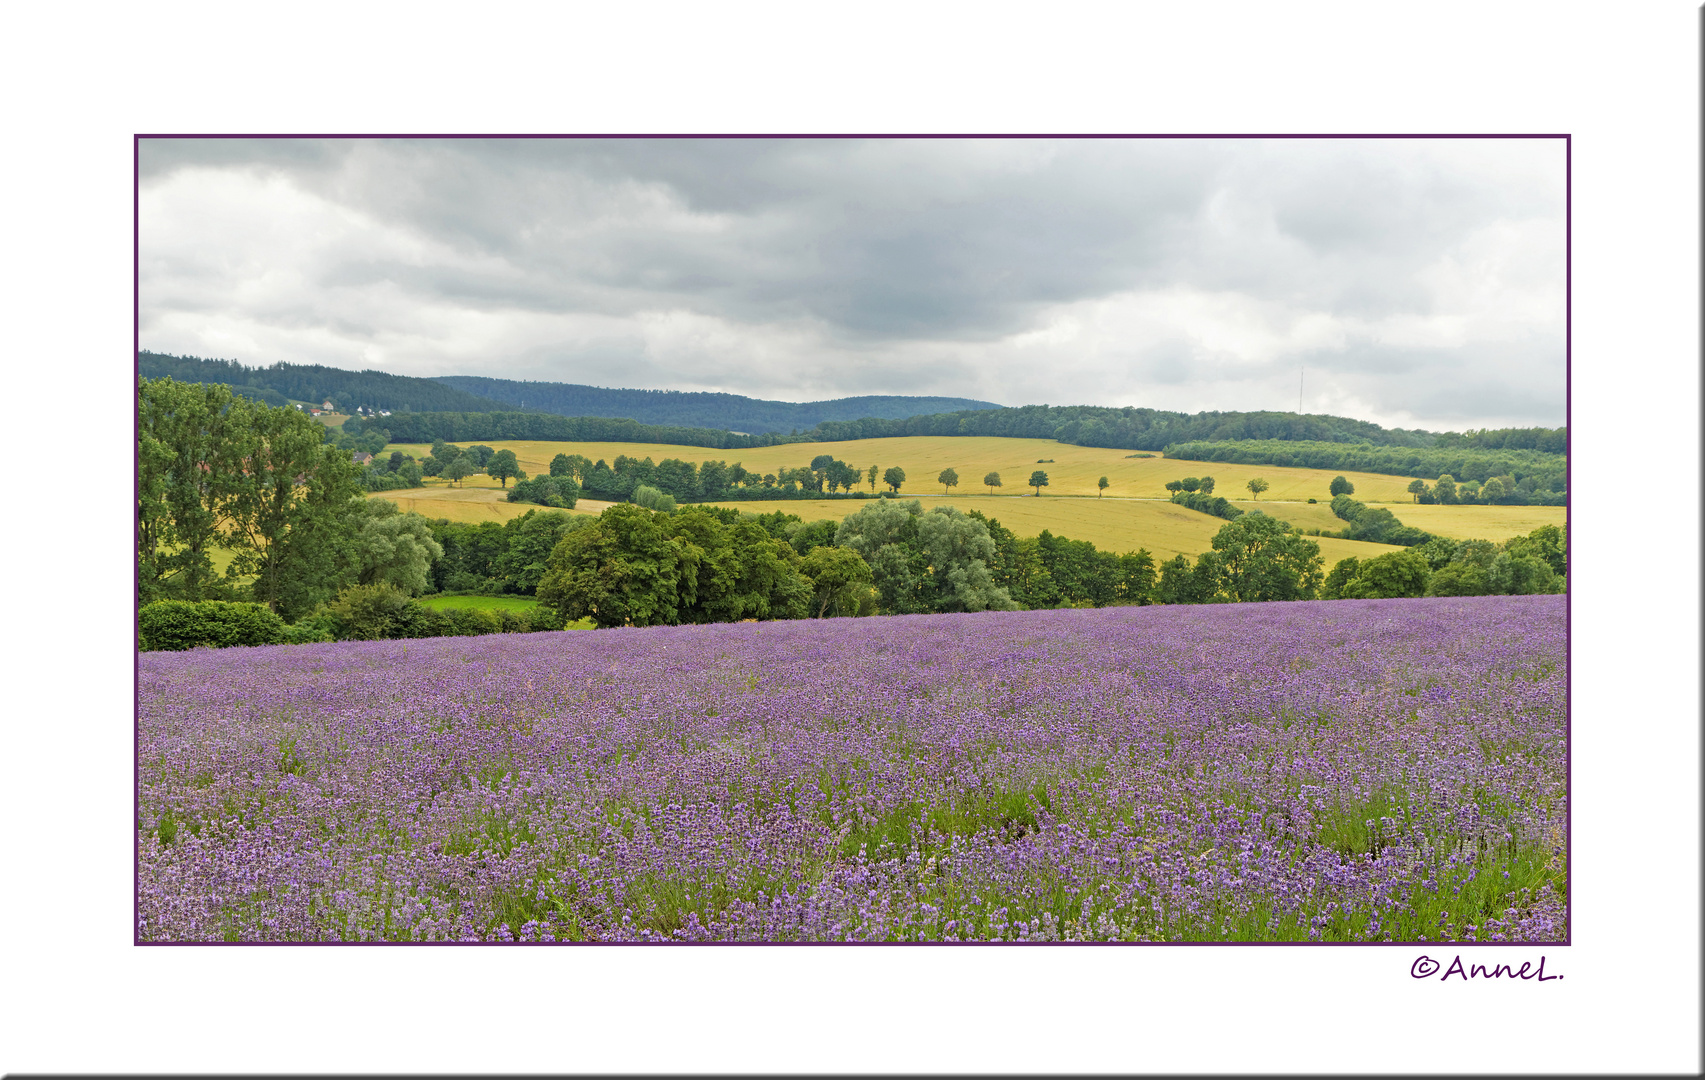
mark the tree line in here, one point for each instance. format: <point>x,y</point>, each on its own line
<point>1522,565</point>
<point>1535,476</point>
<point>1332,440</point>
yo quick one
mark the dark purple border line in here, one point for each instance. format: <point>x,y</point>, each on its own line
<point>135,540</point>
<point>1568,525</point>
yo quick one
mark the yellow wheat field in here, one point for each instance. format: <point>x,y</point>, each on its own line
<point>1073,470</point>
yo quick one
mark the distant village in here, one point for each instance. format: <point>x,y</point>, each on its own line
<point>327,407</point>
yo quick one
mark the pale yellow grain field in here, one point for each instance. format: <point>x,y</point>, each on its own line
<point>1072,471</point>
<point>476,499</point>
<point>1126,518</point>
<point>1481,522</point>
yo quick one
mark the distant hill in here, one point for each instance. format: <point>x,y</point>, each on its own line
<point>316,383</point>
<point>675,408</point>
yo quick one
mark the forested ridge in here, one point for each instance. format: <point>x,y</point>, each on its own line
<point>675,408</point>
<point>444,410</point>
<point>346,390</point>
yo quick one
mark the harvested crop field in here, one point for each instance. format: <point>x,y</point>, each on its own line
<point>1347,771</point>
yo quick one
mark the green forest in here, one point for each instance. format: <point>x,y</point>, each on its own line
<point>675,408</point>
<point>445,409</point>
<point>346,390</point>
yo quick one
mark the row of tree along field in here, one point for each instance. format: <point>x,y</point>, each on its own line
<point>632,566</point>
<point>1526,476</point>
<point>1080,425</point>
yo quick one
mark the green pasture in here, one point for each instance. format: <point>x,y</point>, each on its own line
<point>483,603</point>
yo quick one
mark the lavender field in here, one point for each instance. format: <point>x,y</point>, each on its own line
<point>1380,770</point>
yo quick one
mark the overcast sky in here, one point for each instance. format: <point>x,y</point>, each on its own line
<point>1415,283</point>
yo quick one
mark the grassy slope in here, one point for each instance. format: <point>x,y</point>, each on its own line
<point>496,603</point>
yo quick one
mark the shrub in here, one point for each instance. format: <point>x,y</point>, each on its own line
<point>1394,574</point>
<point>182,624</point>
<point>1459,579</point>
<point>545,618</point>
<point>311,630</point>
<point>652,499</point>
<point>368,612</point>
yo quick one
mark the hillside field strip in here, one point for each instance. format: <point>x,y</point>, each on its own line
<point>1133,513</point>
<point>1073,470</point>
<point>476,499</point>
<point>1481,522</point>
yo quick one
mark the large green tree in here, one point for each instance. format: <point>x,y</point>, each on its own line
<point>948,479</point>
<point>894,477</point>
<point>394,548</point>
<point>460,469</point>
<point>293,518</point>
<point>1257,486</point>
<point>885,535</point>
<point>626,570</point>
<point>189,467</point>
<point>530,539</point>
<point>1262,558</point>
<point>840,579</point>
<point>959,550</point>
<point>1038,480</point>
<point>503,467</point>
<point>1394,574</point>
<point>992,480</point>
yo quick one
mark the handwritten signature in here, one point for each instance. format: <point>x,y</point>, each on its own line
<point>1425,967</point>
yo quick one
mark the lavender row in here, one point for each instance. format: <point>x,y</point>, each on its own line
<point>1347,771</point>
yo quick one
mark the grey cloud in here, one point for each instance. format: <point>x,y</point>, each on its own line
<point>881,246</point>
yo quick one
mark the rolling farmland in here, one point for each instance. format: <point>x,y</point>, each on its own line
<point>1133,513</point>
<point>1073,470</point>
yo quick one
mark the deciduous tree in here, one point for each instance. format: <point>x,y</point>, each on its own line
<point>1263,559</point>
<point>502,467</point>
<point>1038,480</point>
<point>1103,485</point>
<point>993,480</point>
<point>292,520</point>
<point>894,477</point>
<point>1257,486</point>
<point>948,479</point>
<point>460,469</point>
